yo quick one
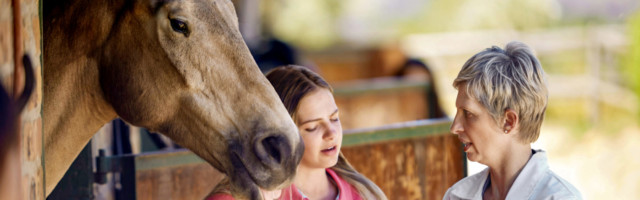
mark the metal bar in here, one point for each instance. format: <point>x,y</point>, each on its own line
<point>128,179</point>
<point>161,159</point>
<point>147,161</point>
<point>106,164</point>
<point>405,130</point>
<point>376,86</point>
<point>42,148</point>
<point>17,49</point>
<point>77,182</point>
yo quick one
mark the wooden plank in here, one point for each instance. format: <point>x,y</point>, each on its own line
<point>405,130</point>
<point>411,160</point>
<point>388,133</point>
<point>444,164</point>
<point>176,174</point>
<point>149,161</point>
<point>378,85</point>
<point>382,101</point>
<point>193,181</point>
<point>392,166</point>
<point>421,168</point>
<point>341,64</point>
<point>20,34</point>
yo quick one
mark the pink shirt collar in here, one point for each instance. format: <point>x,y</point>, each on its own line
<point>346,191</point>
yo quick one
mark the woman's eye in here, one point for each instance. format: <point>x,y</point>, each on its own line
<point>311,129</point>
<point>466,113</point>
<point>335,119</point>
<point>180,27</point>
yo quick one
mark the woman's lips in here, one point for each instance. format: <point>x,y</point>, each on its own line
<point>467,146</point>
<point>330,151</point>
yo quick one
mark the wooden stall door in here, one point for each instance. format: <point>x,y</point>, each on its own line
<point>194,181</point>
<point>421,168</point>
<point>12,48</point>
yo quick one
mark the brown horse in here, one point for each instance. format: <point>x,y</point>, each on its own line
<point>178,67</point>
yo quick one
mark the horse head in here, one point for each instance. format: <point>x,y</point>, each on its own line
<point>181,68</point>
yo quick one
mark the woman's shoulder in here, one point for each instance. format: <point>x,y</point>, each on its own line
<point>548,186</point>
<point>347,191</point>
<point>469,187</point>
<point>555,187</point>
<point>536,181</point>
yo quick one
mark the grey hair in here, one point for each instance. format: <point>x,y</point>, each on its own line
<point>508,79</point>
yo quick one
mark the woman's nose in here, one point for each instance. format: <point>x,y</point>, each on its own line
<point>330,132</point>
<point>456,126</point>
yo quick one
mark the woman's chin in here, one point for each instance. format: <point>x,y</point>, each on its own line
<point>334,162</point>
<point>473,157</point>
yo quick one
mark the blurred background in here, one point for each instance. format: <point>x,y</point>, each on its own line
<point>393,62</point>
<point>590,50</point>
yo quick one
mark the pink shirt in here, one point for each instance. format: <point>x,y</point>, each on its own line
<point>346,191</point>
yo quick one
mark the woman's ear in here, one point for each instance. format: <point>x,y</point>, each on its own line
<point>511,121</point>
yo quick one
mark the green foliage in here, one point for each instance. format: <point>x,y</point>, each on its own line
<point>570,113</point>
<point>612,120</point>
<point>321,24</point>
<point>309,24</point>
<point>631,62</point>
<point>570,62</point>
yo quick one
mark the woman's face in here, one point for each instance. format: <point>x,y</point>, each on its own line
<point>319,125</point>
<point>476,129</point>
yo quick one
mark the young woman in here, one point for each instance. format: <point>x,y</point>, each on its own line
<point>323,173</point>
<point>502,97</point>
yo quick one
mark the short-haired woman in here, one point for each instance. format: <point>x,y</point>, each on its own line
<point>502,97</point>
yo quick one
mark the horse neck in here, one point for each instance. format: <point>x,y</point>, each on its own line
<point>74,107</point>
<point>73,111</point>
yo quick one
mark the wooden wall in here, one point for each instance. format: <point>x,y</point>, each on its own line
<point>407,162</point>
<point>193,181</point>
<point>29,39</point>
<point>345,64</point>
<point>382,107</point>
<point>341,65</point>
<point>412,168</point>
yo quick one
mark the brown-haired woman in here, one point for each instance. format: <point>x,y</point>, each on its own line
<point>323,173</point>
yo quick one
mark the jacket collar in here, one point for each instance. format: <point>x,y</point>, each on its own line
<point>344,188</point>
<point>471,187</point>
<point>523,186</point>
<point>530,175</point>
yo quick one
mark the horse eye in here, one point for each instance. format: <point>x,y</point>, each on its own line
<point>180,27</point>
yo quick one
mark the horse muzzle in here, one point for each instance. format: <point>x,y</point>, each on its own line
<point>273,163</point>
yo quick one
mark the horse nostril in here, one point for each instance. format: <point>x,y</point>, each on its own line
<point>274,145</point>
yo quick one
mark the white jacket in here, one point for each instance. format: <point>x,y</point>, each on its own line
<point>535,181</point>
